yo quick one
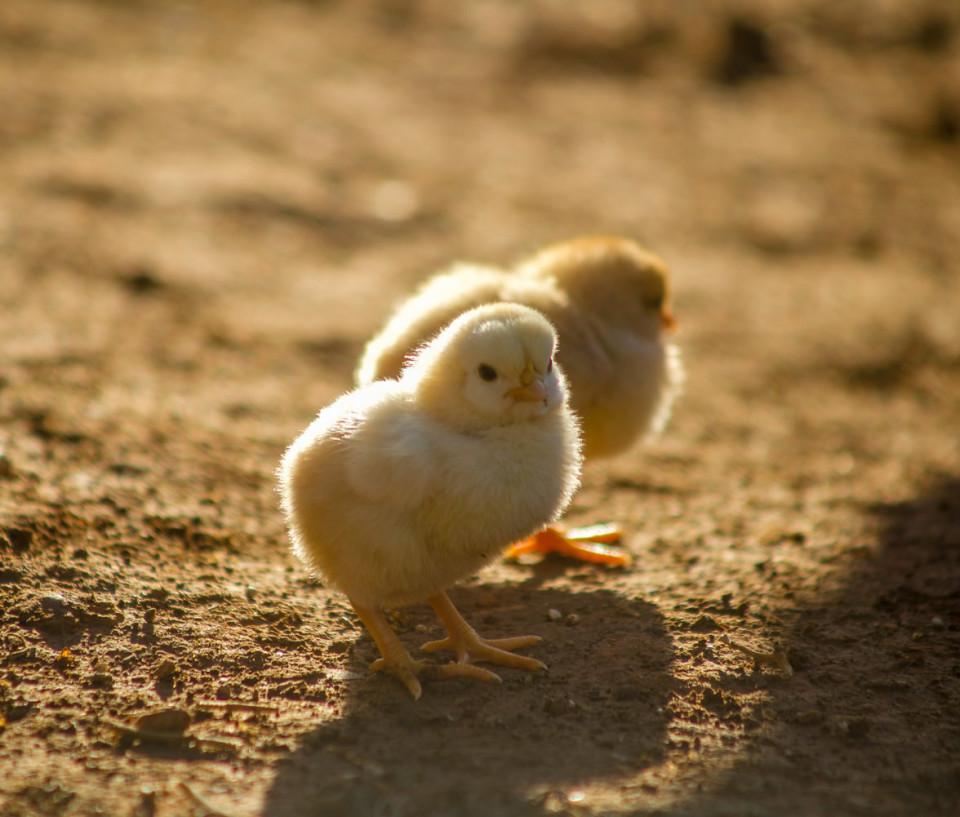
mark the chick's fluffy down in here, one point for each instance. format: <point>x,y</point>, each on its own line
<point>391,504</point>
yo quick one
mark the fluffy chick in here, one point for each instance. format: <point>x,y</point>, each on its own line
<point>609,300</point>
<point>402,487</point>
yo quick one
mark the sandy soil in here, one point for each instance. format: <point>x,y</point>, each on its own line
<point>205,209</point>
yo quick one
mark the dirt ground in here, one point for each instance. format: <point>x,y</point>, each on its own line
<point>205,210</point>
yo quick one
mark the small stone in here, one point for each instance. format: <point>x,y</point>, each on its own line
<point>559,705</point>
<point>809,717</point>
<point>101,680</point>
<point>18,540</point>
<point>858,727</point>
<point>705,624</point>
<point>167,720</point>
<point>394,200</point>
<point>852,728</point>
<point>554,615</point>
<point>165,670</point>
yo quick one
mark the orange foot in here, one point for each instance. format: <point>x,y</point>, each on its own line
<point>589,544</point>
<point>397,660</point>
<point>470,647</point>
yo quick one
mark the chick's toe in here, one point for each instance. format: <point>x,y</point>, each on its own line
<point>395,658</point>
<point>589,544</point>
<point>469,647</point>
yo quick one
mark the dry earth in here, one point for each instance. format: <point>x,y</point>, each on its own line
<point>205,209</point>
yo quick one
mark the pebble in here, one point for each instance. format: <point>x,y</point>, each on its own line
<point>165,669</point>
<point>167,720</point>
<point>809,717</point>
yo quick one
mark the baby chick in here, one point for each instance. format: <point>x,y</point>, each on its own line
<point>402,487</point>
<point>609,301</point>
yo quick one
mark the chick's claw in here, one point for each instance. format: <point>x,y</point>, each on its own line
<point>405,671</point>
<point>395,658</point>
<point>410,671</point>
<point>589,544</point>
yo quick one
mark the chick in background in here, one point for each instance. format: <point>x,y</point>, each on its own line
<point>609,300</point>
<point>403,486</point>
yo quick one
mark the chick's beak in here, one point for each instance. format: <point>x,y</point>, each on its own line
<point>669,319</point>
<point>531,389</point>
<point>532,392</point>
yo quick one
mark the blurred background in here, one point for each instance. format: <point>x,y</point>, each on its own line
<point>327,155</point>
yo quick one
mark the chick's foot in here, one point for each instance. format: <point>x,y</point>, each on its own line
<point>469,647</point>
<point>589,544</point>
<point>397,660</point>
<point>410,671</point>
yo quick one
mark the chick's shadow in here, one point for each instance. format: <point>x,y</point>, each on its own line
<point>469,748</point>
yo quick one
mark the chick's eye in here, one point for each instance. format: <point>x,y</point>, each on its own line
<point>487,372</point>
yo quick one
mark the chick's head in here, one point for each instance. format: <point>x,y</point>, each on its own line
<point>611,278</point>
<point>491,366</point>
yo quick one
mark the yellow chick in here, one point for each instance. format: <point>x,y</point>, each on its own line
<point>608,299</point>
<point>402,487</point>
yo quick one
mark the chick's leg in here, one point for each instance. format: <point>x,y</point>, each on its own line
<point>397,660</point>
<point>589,544</point>
<point>463,639</point>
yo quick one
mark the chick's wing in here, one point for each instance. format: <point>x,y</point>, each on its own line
<point>389,455</point>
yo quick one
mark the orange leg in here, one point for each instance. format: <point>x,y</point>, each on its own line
<point>397,660</point>
<point>589,544</point>
<point>469,646</point>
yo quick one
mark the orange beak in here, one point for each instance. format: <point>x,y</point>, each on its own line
<point>534,392</point>
<point>669,319</point>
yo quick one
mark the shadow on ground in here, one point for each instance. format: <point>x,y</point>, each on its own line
<point>869,724</point>
<point>598,712</point>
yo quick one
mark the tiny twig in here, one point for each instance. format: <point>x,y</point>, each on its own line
<point>171,738</point>
<point>238,705</point>
<point>224,743</point>
<point>145,734</point>
<point>212,810</point>
<point>778,657</point>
